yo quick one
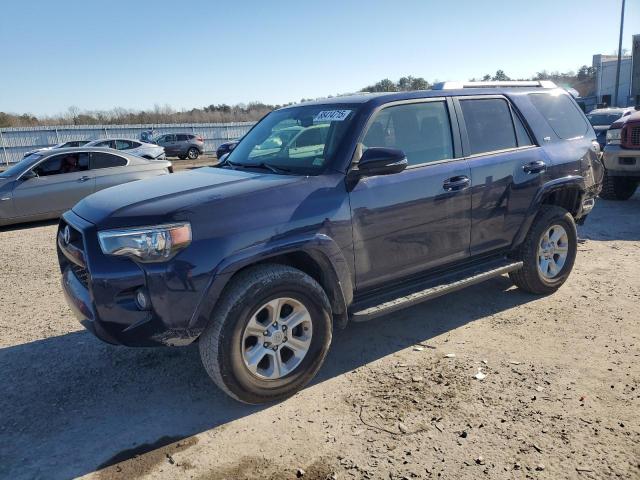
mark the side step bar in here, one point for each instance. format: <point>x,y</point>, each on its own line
<point>367,310</point>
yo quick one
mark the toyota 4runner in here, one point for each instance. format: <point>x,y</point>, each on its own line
<point>378,201</point>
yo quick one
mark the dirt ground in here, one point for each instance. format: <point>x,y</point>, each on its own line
<point>561,396</point>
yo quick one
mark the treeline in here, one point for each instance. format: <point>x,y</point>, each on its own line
<point>583,80</point>
<point>160,114</point>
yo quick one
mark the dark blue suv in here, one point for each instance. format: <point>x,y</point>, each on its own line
<point>343,209</point>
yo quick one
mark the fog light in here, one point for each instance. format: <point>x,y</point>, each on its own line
<point>142,300</point>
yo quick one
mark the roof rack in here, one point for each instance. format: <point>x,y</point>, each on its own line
<point>510,83</point>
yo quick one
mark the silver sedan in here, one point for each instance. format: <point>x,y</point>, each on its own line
<point>45,184</point>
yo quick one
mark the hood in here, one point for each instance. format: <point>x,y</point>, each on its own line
<point>172,197</point>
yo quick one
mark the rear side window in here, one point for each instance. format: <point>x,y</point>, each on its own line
<point>489,125</point>
<point>106,160</point>
<point>562,114</point>
<point>523,136</point>
<point>182,137</point>
<point>421,130</point>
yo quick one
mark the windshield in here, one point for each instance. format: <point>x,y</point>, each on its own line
<point>21,166</point>
<point>603,119</point>
<point>298,140</point>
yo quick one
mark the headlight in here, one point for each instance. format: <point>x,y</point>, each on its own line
<point>613,136</point>
<point>146,244</point>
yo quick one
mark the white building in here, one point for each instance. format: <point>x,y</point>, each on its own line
<point>605,66</point>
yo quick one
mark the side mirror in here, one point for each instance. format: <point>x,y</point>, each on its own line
<point>223,157</point>
<point>381,161</point>
<point>28,175</point>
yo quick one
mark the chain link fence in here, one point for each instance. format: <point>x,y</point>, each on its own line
<point>15,142</point>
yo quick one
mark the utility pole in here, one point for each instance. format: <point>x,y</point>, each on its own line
<point>615,99</point>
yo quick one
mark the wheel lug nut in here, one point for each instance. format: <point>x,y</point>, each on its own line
<point>275,324</point>
<point>284,328</point>
<point>275,348</point>
<point>284,339</point>
<point>266,344</point>
<point>266,333</point>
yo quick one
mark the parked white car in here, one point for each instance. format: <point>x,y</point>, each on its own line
<point>72,143</point>
<point>132,147</point>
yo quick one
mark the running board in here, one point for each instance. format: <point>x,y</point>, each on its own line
<point>418,292</point>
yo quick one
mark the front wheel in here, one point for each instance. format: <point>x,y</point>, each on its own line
<point>269,334</point>
<point>548,252</point>
<point>193,153</point>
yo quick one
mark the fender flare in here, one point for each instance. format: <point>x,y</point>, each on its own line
<point>572,181</point>
<point>320,247</point>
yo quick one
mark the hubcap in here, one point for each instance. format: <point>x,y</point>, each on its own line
<point>277,338</point>
<point>552,251</point>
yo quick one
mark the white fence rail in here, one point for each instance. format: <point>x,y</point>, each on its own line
<point>14,142</point>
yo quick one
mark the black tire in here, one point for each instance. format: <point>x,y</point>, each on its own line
<point>193,153</point>
<point>529,278</point>
<point>182,157</point>
<point>221,342</point>
<point>618,188</point>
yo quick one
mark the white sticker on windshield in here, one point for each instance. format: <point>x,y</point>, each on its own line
<point>331,115</point>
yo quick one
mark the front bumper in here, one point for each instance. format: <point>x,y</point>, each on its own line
<point>621,162</point>
<point>101,294</point>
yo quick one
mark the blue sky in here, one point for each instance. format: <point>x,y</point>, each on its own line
<point>134,54</point>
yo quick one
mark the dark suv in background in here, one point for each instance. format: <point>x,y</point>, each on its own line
<point>181,145</point>
<point>403,197</point>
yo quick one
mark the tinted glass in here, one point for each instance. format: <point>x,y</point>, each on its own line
<point>105,144</point>
<point>562,113</point>
<point>523,136</point>
<point>421,130</point>
<point>106,160</point>
<point>65,163</point>
<point>603,119</point>
<point>126,144</point>
<point>489,125</point>
<point>312,136</point>
<point>182,138</point>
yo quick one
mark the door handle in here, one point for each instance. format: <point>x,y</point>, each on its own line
<point>535,167</point>
<point>84,179</point>
<point>456,183</point>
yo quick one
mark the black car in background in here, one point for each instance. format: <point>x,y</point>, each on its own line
<point>602,118</point>
<point>226,147</point>
<point>181,145</point>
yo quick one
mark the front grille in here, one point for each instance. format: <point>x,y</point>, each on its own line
<point>81,274</point>
<point>75,249</point>
<point>634,136</point>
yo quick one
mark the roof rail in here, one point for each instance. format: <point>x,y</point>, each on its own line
<point>509,83</point>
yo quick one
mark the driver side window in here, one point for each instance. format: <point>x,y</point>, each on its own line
<point>65,163</point>
<point>421,130</point>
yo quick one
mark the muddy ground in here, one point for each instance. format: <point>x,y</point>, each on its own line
<point>561,396</point>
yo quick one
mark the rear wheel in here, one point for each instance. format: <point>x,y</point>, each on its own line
<point>618,188</point>
<point>193,153</point>
<point>268,336</point>
<point>548,252</point>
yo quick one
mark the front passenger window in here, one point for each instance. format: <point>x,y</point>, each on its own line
<point>65,163</point>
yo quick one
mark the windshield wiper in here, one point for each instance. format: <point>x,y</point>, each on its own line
<point>262,165</point>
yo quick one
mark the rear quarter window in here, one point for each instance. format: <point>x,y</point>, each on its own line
<point>106,160</point>
<point>562,114</point>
